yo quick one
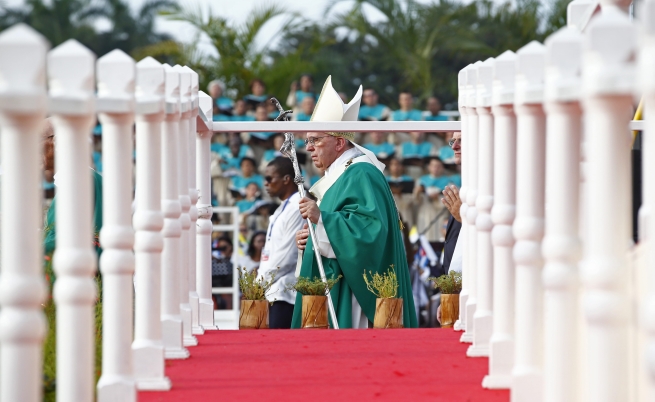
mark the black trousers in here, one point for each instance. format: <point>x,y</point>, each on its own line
<point>279,315</point>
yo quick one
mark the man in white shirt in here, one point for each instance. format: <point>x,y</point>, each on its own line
<point>280,249</point>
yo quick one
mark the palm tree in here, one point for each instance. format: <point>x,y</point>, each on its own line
<point>60,20</point>
<point>413,34</point>
<point>238,58</point>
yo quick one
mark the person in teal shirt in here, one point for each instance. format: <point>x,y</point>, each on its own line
<point>417,148</point>
<point>247,176</point>
<point>446,152</point>
<point>251,197</point>
<point>261,114</point>
<point>222,104</point>
<point>231,157</point>
<point>296,96</point>
<point>257,94</point>
<point>379,145</point>
<point>436,180</point>
<point>406,111</point>
<point>434,107</point>
<point>371,109</point>
<point>306,109</point>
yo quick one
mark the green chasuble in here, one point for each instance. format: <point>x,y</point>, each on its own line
<point>361,221</point>
<point>50,226</point>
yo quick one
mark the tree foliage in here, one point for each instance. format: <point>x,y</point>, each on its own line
<point>415,46</point>
<point>60,20</point>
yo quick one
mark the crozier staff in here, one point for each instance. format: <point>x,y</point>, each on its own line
<point>357,223</point>
<point>280,248</point>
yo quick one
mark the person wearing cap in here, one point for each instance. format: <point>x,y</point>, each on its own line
<point>356,220</point>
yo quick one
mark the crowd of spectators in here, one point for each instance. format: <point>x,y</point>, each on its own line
<point>419,165</point>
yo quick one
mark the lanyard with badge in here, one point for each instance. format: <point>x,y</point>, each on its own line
<point>266,252</point>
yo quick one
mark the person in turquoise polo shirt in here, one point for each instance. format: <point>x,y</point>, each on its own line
<point>446,153</point>
<point>406,111</point>
<point>296,96</point>
<point>379,145</point>
<point>417,148</point>
<point>247,176</point>
<point>222,104</point>
<point>231,157</point>
<point>434,108</point>
<point>306,109</point>
<point>251,197</point>
<point>240,112</point>
<point>436,180</point>
<point>257,94</point>
<point>261,114</point>
<point>371,110</point>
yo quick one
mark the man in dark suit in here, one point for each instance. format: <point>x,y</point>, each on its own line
<point>453,203</point>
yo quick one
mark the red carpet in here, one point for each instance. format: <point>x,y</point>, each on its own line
<point>325,365</point>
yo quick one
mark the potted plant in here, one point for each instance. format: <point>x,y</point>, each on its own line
<point>388,308</point>
<point>314,301</point>
<point>450,286</point>
<point>254,306</point>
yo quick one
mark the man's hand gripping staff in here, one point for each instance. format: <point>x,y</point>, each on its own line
<point>288,149</point>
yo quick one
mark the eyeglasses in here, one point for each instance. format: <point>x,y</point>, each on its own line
<point>454,141</point>
<point>312,141</point>
<point>268,179</point>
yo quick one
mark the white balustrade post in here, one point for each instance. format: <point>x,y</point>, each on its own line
<point>646,85</point>
<point>72,103</point>
<point>196,329</point>
<point>116,74</point>
<point>148,347</point>
<point>185,202</point>
<point>204,224</point>
<point>501,345</point>
<point>562,245</point>
<point>471,152</point>
<point>22,287</point>
<point>460,324</point>
<point>171,207</point>
<point>607,82</point>
<point>529,223</point>
<point>483,223</point>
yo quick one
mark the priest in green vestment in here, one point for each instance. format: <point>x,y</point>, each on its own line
<point>356,220</point>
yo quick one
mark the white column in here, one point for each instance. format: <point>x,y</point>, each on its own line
<point>171,207</point>
<point>22,288</point>
<point>529,223</point>
<point>196,329</point>
<point>460,324</point>
<point>204,224</point>
<point>483,223</point>
<point>607,80</point>
<point>72,103</point>
<point>148,348</point>
<point>501,345</point>
<point>185,202</point>
<point>471,152</point>
<point>116,75</point>
<point>562,245</point>
<point>646,84</point>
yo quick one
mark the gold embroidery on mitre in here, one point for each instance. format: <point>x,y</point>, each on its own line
<point>348,136</point>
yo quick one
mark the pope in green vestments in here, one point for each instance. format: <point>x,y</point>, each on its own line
<point>356,211</point>
<point>361,221</point>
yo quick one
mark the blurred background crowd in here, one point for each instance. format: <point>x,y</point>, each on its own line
<point>406,58</point>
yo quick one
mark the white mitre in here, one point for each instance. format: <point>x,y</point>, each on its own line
<point>330,107</point>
